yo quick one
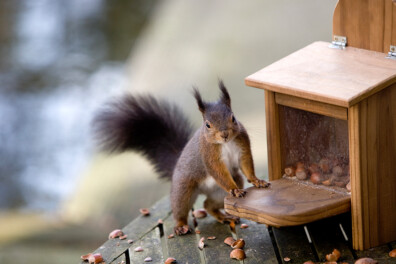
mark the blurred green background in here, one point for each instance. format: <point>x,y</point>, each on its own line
<point>61,60</point>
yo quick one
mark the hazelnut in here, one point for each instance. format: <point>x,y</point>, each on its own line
<point>115,233</point>
<point>200,213</point>
<point>240,243</point>
<point>327,182</point>
<point>123,237</point>
<point>138,249</point>
<point>229,241</point>
<point>366,261</point>
<point>334,256</point>
<point>336,253</point>
<point>95,258</point>
<point>130,241</point>
<point>309,262</point>
<point>316,178</point>
<point>324,165</point>
<point>301,173</point>
<point>170,260</point>
<point>85,257</point>
<point>201,243</point>
<point>238,254</point>
<point>148,259</point>
<point>211,238</point>
<point>290,171</point>
<point>300,164</point>
<point>337,171</point>
<point>392,254</point>
<point>286,259</point>
<point>171,236</point>
<point>144,211</point>
<point>313,168</point>
<point>243,226</point>
<point>348,186</point>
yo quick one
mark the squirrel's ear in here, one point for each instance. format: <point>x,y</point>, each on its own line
<point>197,95</point>
<point>225,97</point>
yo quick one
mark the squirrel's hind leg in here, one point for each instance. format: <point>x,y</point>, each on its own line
<point>214,207</point>
<point>182,202</point>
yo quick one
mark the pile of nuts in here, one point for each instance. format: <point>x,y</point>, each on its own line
<point>329,172</point>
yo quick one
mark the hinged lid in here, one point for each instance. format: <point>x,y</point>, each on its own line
<point>333,76</point>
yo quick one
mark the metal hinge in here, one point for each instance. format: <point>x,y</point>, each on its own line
<point>339,42</point>
<point>392,53</point>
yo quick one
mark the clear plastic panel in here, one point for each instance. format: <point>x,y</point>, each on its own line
<point>314,147</point>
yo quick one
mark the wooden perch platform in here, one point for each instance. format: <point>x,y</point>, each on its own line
<point>264,244</point>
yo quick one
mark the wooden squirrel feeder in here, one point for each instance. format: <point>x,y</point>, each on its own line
<point>334,102</point>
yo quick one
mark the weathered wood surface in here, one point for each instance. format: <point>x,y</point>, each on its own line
<point>333,76</point>
<point>288,203</point>
<point>263,244</point>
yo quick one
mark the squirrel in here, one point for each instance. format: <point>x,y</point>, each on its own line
<point>207,161</point>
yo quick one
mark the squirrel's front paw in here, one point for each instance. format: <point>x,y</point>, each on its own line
<point>238,193</point>
<point>260,183</point>
<point>182,230</point>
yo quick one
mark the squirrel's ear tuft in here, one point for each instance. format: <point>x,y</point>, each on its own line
<point>225,97</point>
<point>197,95</point>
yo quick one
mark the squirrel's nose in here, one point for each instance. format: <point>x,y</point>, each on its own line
<point>224,134</point>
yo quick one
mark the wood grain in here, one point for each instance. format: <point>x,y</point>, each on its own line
<point>366,24</point>
<point>151,244</point>
<point>273,137</point>
<point>288,203</point>
<point>332,76</point>
<point>312,106</point>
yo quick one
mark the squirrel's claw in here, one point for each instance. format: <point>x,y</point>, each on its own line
<point>238,192</point>
<point>182,230</point>
<point>260,183</point>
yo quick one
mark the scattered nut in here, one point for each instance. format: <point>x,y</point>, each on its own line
<point>348,186</point>
<point>201,243</point>
<point>170,260</point>
<point>309,262</point>
<point>240,243</point>
<point>337,171</point>
<point>327,182</point>
<point>200,213</point>
<point>123,237</point>
<point>324,165</point>
<point>340,183</point>
<point>315,178</point>
<point>95,258</point>
<point>238,254</point>
<point>160,221</point>
<point>300,164</point>
<point>115,233</point>
<point>290,171</point>
<point>148,259</point>
<point>197,231</point>
<point>144,211</point>
<point>130,241</point>
<point>336,253</point>
<point>139,249</point>
<point>287,259</point>
<point>229,241</point>
<point>392,254</point>
<point>331,257</point>
<point>313,168</point>
<point>243,226</point>
<point>366,261</point>
<point>171,236</point>
<point>211,238</point>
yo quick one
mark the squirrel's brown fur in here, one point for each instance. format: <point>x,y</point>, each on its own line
<point>210,162</point>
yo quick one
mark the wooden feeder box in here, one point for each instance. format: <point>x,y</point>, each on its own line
<point>333,104</point>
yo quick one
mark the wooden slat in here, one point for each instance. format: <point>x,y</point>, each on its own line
<point>332,76</point>
<point>273,137</point>
<point>215,251</point>
<point>135,230</point>
<point>288,202</point>
<point>292,243</point>
<point>326,235</point>
<point>151,244</point>
<point>183,248</point>
<point>312,106</point>
<point>258,248</point>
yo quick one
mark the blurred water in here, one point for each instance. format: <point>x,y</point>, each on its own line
<point>58,61</point>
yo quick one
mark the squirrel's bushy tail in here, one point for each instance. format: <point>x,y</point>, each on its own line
<point>155,128</point>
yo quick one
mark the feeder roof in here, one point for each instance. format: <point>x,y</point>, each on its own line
<point>333,76</point>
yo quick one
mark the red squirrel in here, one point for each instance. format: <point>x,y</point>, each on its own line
<point>208,161</point>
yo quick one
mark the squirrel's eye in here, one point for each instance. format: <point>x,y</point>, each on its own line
<point>233,119</point>
<point>207,125</point>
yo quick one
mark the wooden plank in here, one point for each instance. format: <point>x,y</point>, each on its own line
<point>215,251</point>
<point>332,76</point>
<point>151,244</point>
<point>273,137</point>
<point>183,248</point>
<point>288,203</point>
<point>312,106</point>
<point>258,248</point>
<point>293,243</point>
<point>113,248</point>
<point>326,235</point>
